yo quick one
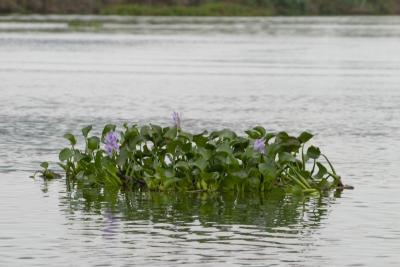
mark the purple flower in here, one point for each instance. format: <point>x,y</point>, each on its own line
<point>177,119</point>
<point>111,143</point>
<point>259,145</point>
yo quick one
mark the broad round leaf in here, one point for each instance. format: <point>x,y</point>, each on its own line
<point>260,129</point>
<point>65,154</point>
<point>286,157</point>
<point>93,143</point>
<point>71,138</point>
<point>253,134</point>
<point>86,130</point>
<point>171,133</point>
<point>305,137</point>
<point>313,152</point>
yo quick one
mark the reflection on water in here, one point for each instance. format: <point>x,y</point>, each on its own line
<point>269,211</point>
<point>198,228</point>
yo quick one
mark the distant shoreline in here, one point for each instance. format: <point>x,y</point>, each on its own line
<point>207,8</point>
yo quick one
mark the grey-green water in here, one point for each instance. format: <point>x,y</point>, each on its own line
<point>337,77</point>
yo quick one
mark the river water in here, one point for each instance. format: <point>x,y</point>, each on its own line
<point>338,77</point>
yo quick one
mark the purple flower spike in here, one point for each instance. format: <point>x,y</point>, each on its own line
<point>177,119</point>
<point>259,145</point>
<point>111,143</point>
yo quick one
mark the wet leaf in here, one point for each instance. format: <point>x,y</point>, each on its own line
<point>200,139</point>
<point>305,137</point>
<point>268,170</point>
<point>286,157</point>
<point>65,154</point>
<point>93,143</point>
<point>171,133</point>
<point>223,134</point>
<point>71,138</point>
<point>170,181</point>
<point>253,134</point>
<point>260,129</point>
<point>86,130</point>
<point>313,152</point>
<point>322,171</point>
<point>200,163</point>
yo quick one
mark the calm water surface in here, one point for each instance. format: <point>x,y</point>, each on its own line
<point>337,77</point>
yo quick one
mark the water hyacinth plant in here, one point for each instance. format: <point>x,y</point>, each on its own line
<point>156,158</point>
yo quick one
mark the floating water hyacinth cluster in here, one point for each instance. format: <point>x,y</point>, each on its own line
<point>152,157</point>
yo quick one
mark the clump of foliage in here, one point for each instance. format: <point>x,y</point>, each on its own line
<point>46,173</point>
<point>156,158</point>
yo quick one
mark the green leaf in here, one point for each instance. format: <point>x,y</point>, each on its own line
<point>187,147</point>
<point>269,136</point>
<point>223,134</point>
<point>321,171</point>
<point>93,143</point>
<point>272,150</point>
<point>170,181</point>
<point>146,131</point>
<point>281,137</point>
<point>268,170</point>
<point>313,152</point>
<point>225,148</point>
<point>71,138</point>
<point>203,184</point>
<point>182,165</point>
<point>44,165</point>
<point>240,143</point>
<point>253,134</point>
<point>98,159</point>
<point>86,130</point>
<point>156,129</point>
<point>108,128</point>
<point>122,157</point>
<point>171,133</point>
<point>200,139</point>
<point>110,166</point>
<point>134,142</point>
<point>49,175</point>
<point>305,137</point>
<point>186,136</point>
<point>65,154</point>
<point>242,174</point>
<point>260,129</point>
<point>210,176</point>
<point>169,173</point>
<point>204,153</point>
<point>286,157</point>
<point>78,155</point>
<point>171,147</point>
<point>200,163</point>
<point>131,133</point>
<point>291,144</point>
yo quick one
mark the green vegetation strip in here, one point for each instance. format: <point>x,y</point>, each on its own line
<point>203,7</point>
<point>209,9</point>
<point>155,158</point>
